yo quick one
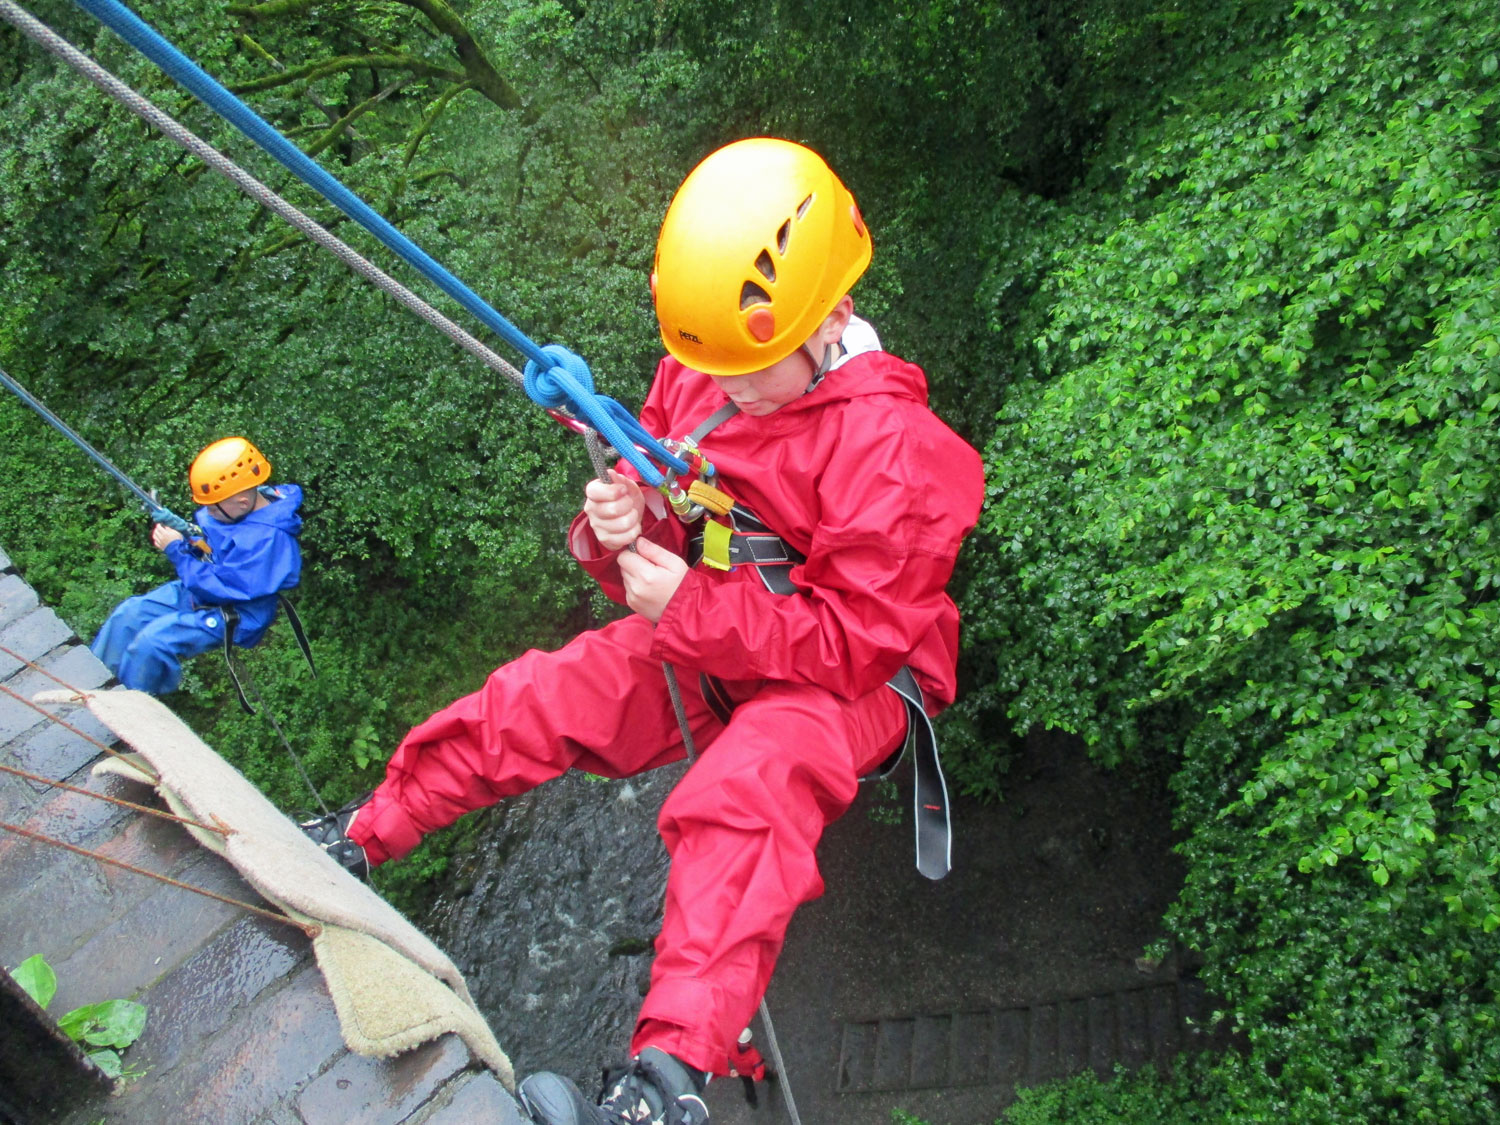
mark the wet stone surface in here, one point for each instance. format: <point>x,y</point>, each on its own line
<point>240,1028</point>
<point>554,935</point>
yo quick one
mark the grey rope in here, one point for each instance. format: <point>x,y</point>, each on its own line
<point>778,1062</point>
<point>601,469</point>
<point>238,670</point>
<point>49,40</point>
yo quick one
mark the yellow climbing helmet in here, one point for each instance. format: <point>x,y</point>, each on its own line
<point>759,243</point>
<point>227,466</point>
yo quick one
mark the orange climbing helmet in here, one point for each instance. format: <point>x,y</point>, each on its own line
<point>227,466</point>
<point>759,243</point>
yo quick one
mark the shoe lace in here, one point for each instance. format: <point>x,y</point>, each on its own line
<point>626,1092</point>
<point>330,832</point>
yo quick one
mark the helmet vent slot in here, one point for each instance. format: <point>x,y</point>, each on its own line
<point>753,294</point>
<point>782,236</point>
<point>766,266</point>
<point>803,206</point>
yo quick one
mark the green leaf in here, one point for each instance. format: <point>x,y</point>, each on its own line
<point>107,1061</point>
<point>110,1023</point>
<point>37,979</point>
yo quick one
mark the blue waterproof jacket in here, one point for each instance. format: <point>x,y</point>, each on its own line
<point>249,561</point>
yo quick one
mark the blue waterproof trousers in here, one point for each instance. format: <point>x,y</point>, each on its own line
<point>147,637</point>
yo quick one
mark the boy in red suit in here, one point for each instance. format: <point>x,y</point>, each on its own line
<point>785,631</point>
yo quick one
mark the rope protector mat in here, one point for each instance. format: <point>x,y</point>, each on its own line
<point>392,988</point>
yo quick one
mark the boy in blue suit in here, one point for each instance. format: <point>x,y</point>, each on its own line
<point>251,531</point>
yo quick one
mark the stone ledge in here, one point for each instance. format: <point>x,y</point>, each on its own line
<point>240,1027</point>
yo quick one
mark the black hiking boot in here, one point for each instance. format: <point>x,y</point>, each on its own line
<point>655,1089</point>
<point>331,833</point>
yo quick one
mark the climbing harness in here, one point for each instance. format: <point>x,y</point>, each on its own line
<point>158,513</point>
<point>298,632</point>
<point>237,671</point>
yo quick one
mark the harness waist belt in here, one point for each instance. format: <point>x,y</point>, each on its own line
<point>752,548</point>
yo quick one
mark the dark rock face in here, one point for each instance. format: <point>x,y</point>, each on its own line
<point>1024,964</point>
<point>555,936</point>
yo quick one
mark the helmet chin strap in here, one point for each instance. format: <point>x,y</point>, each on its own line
<point>821,368</point>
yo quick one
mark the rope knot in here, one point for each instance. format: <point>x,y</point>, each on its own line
<point>555,387</point>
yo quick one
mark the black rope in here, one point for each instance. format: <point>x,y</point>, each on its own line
<point>238,671</point>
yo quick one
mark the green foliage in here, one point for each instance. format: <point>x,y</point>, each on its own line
<point>1196,1093</point>
<point>1212,283</point>
<point>887,806</point>
<point>1246,515</point>
<point>104,1029</point>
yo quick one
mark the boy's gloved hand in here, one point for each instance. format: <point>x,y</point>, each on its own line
<point>614,509</point>
<point>652,574</point>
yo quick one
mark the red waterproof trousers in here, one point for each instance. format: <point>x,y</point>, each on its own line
<point>740,828</point>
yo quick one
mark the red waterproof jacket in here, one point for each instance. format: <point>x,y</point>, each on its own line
<point>862,478</point>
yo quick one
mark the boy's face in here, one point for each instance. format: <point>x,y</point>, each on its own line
<point>235,507</point>
<point>768,390</point>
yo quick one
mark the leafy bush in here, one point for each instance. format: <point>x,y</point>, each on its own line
<point>1196,1093</point>
<point>1248,517</point>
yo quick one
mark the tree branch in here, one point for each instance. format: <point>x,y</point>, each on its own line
<point>270,9</point>
<point>312,71</point>
<point>332,133</point>
<point>430,119</point>
<point>477,66</point>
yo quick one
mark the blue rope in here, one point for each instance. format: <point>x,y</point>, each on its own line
<point>567,380</point>
<point>603,413</point>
